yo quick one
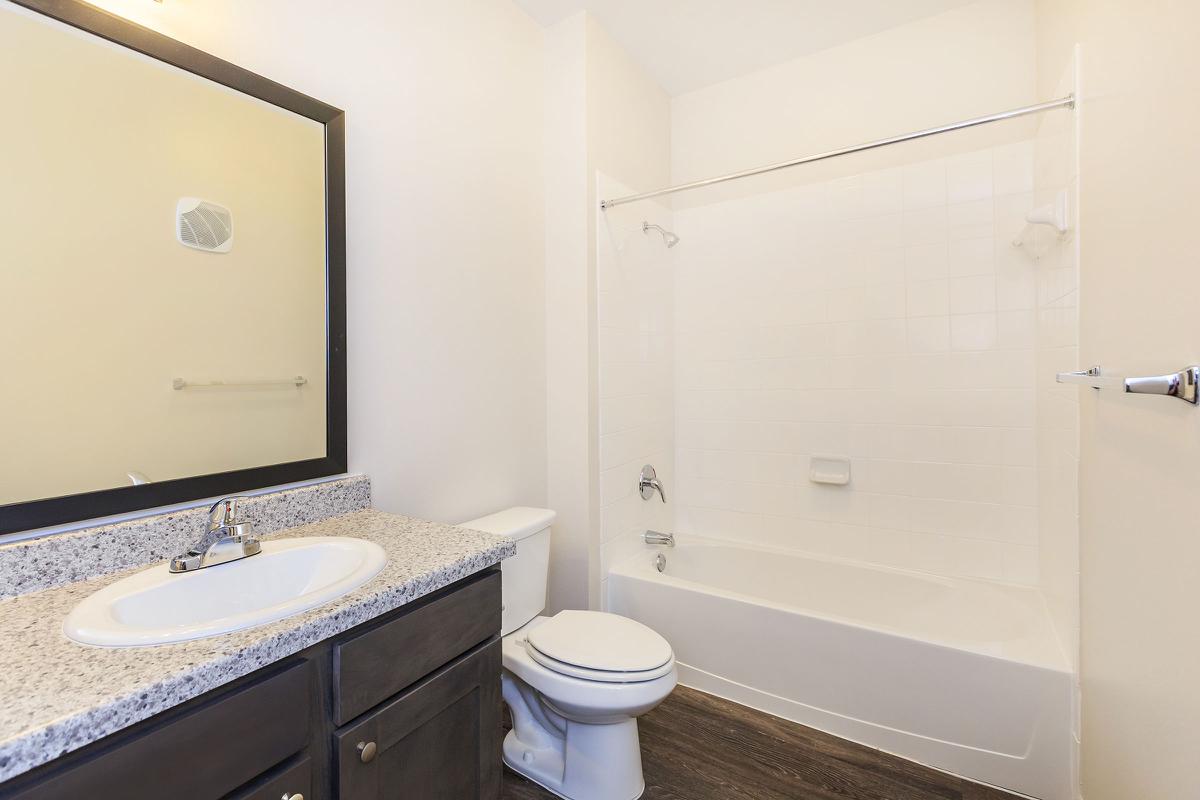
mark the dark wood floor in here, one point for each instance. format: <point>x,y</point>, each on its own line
<point>699,747</point>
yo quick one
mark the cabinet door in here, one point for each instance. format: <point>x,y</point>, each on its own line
<point>437,741</point>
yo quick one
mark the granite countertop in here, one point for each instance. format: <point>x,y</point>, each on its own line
<point>60,696</point>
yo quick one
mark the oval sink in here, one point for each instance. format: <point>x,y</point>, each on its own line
<point>289,576</point>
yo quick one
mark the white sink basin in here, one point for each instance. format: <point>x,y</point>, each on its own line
<point>289,576</point>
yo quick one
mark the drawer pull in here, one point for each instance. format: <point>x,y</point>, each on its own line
<point>290,796</point>
<point>366,752</point>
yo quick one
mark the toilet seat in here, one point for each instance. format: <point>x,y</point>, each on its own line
<point>602,676</point>
<point>596,646</point>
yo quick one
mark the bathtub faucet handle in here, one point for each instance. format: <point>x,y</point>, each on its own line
<point>648,484</point>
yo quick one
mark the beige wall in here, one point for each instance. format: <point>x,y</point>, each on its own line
<point>1139,456</point>
<point>970,61</point>
<point>104,308</point>
<point>445,226</point>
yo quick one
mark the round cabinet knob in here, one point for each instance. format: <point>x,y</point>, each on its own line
<point>290,796</point>
<point>366,752</point>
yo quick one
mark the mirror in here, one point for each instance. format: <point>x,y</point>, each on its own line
<point>173,273</point>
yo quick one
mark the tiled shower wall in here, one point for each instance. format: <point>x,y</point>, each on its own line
<point>887,318</point>
<point>634,277</point>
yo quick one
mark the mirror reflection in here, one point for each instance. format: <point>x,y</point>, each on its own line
<point>164,273</point>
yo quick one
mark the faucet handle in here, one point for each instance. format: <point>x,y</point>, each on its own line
<point>648,484</point>
<point>223,513</point>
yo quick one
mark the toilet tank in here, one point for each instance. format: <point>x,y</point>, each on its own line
<point>523,576</point>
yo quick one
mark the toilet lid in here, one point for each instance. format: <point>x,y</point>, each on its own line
<point>594,640</point>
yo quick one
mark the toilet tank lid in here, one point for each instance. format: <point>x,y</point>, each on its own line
<point>515,523</point>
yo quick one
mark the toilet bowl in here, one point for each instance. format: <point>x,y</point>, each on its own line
<point>575,683</point>
<point>574,715</point>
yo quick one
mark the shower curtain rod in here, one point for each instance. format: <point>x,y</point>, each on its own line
<point>1062,102</point>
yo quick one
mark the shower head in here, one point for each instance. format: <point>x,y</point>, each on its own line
<point>669,238</point>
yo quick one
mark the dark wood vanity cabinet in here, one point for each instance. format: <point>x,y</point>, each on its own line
<point>406,705</point>
<point>437,740</point>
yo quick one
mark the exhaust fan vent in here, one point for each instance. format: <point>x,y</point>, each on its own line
<point>204,225</point>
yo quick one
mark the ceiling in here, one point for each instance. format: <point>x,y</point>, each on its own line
<point>687,44</point>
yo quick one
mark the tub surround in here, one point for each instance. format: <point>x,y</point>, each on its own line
<point>42,563</point>
<point>62,696</point>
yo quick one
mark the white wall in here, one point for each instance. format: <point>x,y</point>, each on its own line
<point>973,60</point>
<point>445,224</point>
<point>570,321</point>
<point>604,116</point>
<point>1139,456</point>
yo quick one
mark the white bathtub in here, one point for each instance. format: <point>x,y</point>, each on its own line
<point>966,676</point>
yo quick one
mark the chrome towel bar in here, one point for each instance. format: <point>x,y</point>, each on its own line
<point>179,384</point>
<point>1182,384</point>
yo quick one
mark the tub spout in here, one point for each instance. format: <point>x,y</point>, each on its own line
<point>663,539</point>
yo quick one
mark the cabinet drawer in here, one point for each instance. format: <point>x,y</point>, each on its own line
<point>439,740</point>
<point>288,781</point>
<point>201,753</point>
<point>372,666</point>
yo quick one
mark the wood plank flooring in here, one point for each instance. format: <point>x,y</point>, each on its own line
<point>699,747</point>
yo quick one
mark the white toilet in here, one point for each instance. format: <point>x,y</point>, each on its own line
<point>576,682</point>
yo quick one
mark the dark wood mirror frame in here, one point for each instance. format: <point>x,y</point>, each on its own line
<point>89,505</point>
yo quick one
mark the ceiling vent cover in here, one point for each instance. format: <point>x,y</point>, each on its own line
<point>204,225</point>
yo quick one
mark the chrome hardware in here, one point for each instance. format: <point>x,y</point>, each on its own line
<point>227,539</point>
<point>179,384</point>
<point>366,752</point>
<point>1062,102</point>
<point>1182,384</point>
<point>648,484</point>
<point>290,796</point>
<point>660,562</point>
<point>669,238</point>
<point>661,539</point>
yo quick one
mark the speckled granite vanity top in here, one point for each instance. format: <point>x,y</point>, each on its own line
<point>59,696</point>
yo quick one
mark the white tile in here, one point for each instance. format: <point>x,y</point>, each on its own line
<point>969,178</point>
<point>1016,329</point>
<point>926,261</point>
<point>844,197</point>
<point>847,304</point>
<point>1016,289</point>
<point>970,220</point>
<point>928,334</point>
<point>925,226</point>
<point>971,257</point>
<point>1013,169</point>
<point>884,300</point>
<point>928,298</point>
<point>973,331</point>
<point>883,192</point>
<point>972,295</point>
<point>925,185</point>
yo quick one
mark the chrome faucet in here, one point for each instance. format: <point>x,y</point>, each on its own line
<point>648,484</point>
<point>663,539</point>
<point>227,539</point>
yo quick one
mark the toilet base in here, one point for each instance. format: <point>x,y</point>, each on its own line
<point>602,762</point>
<point>575,760</point>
